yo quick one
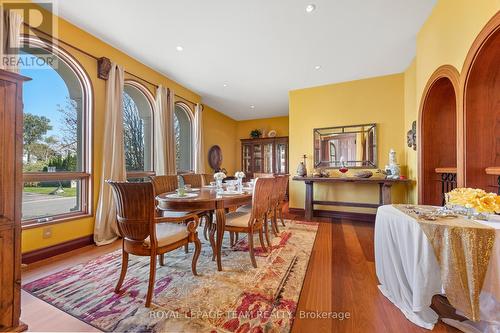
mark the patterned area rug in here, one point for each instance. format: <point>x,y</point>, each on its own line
<point>238,299</point>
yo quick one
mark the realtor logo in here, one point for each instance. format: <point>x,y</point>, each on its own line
<point>28,33</point>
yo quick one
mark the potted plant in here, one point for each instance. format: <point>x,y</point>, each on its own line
<point>255,134</point>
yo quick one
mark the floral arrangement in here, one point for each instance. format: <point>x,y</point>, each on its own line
<point>219,175</point>
<point>239,174</point>
<point>477,199</point>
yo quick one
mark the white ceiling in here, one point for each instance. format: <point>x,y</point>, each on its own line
<point>260,48</point>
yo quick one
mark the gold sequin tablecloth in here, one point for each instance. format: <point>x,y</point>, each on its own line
<point>415,260</point>
<point>463,250</point>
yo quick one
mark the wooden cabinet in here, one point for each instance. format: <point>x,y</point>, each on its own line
<point>11,182</point>
<point>265,155</point>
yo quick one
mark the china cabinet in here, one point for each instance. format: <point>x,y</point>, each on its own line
<point>11,180</point>
<point>264,155</point>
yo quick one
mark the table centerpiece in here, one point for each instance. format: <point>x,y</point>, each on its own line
<point>473,202</point>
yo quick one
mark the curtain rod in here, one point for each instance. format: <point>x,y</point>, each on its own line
<point>96,58</point>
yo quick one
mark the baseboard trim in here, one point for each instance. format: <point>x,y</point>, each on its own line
<point>365,217</point>
<point>51,251</point>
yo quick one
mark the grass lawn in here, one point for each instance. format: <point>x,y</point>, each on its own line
<point>68,192</point>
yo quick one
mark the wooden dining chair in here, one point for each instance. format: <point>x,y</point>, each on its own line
<point>146,234</point>
<point>193,179</point>
<point>254,221</point>
<point>283,186</point>
<point>207,178</point>
<point>164,184</point>
<point>274,201</point>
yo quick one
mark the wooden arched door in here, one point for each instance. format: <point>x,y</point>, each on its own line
<point>481,104</point>
<point>437,133</point>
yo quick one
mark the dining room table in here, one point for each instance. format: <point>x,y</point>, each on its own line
<point>207,198</point>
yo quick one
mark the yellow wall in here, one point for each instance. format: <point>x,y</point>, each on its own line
<point>445,38</point>
<point>377,100</point>
<point>279,124</point>
<point>410,106</point>
<point>220,130</point>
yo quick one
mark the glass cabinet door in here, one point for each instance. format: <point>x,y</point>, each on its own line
<point>281,157</point>
<point>257,158</point>
<point>247,158</point>
<point>268,158</point>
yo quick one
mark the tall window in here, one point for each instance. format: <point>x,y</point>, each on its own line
<point>57,125</point>
<point>183,138</point>
<point>137,130</point>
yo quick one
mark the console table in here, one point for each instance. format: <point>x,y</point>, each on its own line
<point>384,191</point>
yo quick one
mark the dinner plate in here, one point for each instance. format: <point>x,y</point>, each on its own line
<point>185,196</point>
<point>231,193</point>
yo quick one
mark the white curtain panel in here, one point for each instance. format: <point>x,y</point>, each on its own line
<point>113,158</point>
<point>199,155</point>
<point>164,132</point>
<point>11,38</point>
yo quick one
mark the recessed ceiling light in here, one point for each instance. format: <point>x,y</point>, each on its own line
<point>179,48</point>
<point>224,85</point>
<point>310,8</point>
<point>252,106</point>
<point>317,67</point>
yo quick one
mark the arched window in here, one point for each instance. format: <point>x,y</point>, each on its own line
<point>57,134</point>
<point>138,129</point>
<point>183,128</point>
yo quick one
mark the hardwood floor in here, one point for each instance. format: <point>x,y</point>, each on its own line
<point>340,279</point>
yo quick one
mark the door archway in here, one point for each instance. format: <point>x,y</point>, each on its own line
<point>437,133</point>
<point>481,105</point>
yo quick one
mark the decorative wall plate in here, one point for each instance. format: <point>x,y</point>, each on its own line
<point>215,157</point>
<point>271,133</point>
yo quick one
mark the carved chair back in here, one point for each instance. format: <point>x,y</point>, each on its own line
<point>261,198</point>
<point>207,178</point>
<point>275,194</point>
<point>283,185</point>
<point>135,210</point>
<point>164,184</point>
<point>194,179</point>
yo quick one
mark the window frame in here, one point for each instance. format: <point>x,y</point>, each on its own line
<point>190,114</point>
<point>151,100</point>
<point>85,176</point>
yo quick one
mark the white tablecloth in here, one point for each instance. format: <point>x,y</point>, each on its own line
<point>409,273</point>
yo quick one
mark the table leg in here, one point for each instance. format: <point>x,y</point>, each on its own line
<point>220,215</point>
<point>385,194</point>
<point>309,201</point>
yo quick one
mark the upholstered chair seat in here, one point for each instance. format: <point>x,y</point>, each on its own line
<point>237,219</point>
<point>245,208</point>
<point>168,233</point>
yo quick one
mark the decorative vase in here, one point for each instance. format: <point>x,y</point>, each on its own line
<point>301,170</point>
<point>218,183</point>
<point>240,184</point>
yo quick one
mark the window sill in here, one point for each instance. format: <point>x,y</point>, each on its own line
<point>30,224</point>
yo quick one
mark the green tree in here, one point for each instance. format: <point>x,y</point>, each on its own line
<point>35,127</point>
